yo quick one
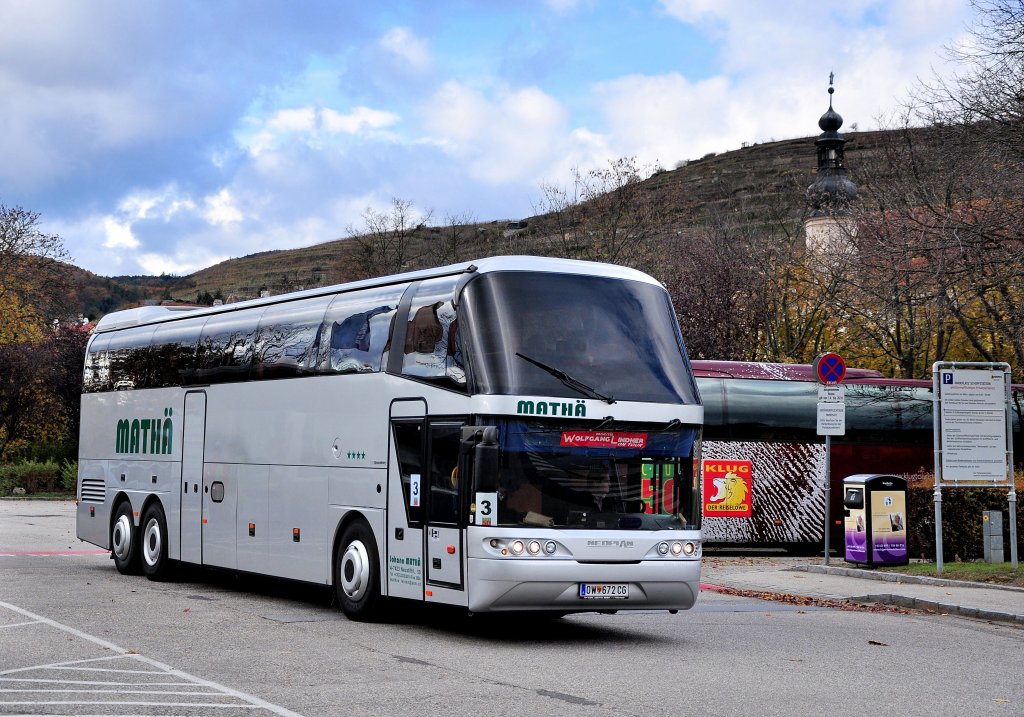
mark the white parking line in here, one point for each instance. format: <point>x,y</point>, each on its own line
<point>10,680</point>
<point>20,624</point>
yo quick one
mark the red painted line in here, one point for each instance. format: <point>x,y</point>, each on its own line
<point>11,553</point>
<point>712,588</point>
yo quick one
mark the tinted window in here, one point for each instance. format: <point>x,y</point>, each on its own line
<point>226,346</point>
<point>767,409</point>
<point>409,447</point>
<point>128,355</point>
<point>97,365</point>
<point>433,346</point>
<point>619,338</point>
<point>356,330</point>
<point>173,356</point>
<point>288,338</point>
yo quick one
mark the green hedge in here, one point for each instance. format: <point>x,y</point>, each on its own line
<point>35,477</point>
<point>961,522</point>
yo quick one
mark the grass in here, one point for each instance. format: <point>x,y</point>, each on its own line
<point>991,573</point>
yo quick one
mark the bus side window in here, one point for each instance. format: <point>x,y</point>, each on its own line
<point>128,354</point>
<point>226,347</point>
<point>433,347</point>
<point>97,365</point>
<point>172,362</point>
<point>288,337</point>
<point>355,330</point>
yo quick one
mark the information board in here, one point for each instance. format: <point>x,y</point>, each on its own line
<point>831,410</point>
<point>972,425</point>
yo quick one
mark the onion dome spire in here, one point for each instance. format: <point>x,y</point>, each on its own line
<point>831,193</point>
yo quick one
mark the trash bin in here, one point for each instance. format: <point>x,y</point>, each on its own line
<point>876,519</point>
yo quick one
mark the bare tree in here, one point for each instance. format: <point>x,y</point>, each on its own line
<point>605,215</point>
<point>389,243</point>
<point>451,242</point>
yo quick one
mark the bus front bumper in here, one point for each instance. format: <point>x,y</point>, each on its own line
<point>554,585</point>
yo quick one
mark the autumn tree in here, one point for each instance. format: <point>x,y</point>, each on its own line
<point>33,281</point>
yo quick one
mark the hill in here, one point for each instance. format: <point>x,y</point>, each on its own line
<point>744,187</point>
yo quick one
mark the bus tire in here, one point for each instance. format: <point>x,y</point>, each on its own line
<point>153,548</point>
<point>357,573</point>
<point>124,540</point>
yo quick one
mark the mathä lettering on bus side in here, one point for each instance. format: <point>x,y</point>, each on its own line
<point>153,436</point>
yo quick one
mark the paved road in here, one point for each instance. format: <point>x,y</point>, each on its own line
<point>78,638</point>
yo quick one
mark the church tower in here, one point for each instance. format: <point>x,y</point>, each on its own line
<point>828,226</point>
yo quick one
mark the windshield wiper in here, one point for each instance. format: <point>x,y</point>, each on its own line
<point>574,384</point>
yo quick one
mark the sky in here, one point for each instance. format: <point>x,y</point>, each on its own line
<point>165,136</point>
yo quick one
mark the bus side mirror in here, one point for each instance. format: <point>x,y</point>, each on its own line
<point>486,461</point>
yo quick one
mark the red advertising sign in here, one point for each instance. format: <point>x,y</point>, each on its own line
<point>728,488</point>
<point>603,439</point>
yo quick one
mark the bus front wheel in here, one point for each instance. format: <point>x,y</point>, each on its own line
<point>155,563</point>
<point>357,573</point>
<point>124,544</point>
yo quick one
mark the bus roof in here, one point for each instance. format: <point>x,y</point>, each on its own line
<point>155,314</point>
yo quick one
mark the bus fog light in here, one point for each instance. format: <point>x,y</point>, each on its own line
<point>663,548</point>
<point>517,547</point>
<point>550,547</point>
<point>677,548</point>
<point>689,548</point>
<point>533,547</point>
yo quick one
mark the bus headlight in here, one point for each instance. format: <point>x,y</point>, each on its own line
<point>677,549</point>
<point>517,547</point>
<point>533,547</point>
<point>550,547</point>
<point>689,548</point>
<point>663,548</point>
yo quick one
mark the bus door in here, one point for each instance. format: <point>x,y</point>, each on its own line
<point>445,495</point>
<point>192,450</point>
<point>424,534</point>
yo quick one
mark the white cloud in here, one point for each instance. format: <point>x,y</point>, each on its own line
<point>401,42</point>
<point>118,234</point>
<point>512,136</point>
<point>221,209</point>
<point>356,121</point>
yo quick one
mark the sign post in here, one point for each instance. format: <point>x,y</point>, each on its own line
<point>830,369</point>
<point>973,436</point>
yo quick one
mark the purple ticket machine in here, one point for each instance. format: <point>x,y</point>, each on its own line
<point>876,519</point>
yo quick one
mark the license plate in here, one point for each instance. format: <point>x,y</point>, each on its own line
<point>604,591</point>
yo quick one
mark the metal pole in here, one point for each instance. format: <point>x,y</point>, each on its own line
<point>1013,525</point>
<point>936,431</point>
<point>828,491</point>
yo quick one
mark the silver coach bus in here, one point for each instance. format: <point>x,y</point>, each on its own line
<point>513,434</point>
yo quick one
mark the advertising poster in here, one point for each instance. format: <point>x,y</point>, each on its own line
<point>856,536</point>
<point>889,526</point>
<point>728,488</point>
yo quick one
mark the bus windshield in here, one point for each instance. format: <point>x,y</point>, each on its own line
<point>568,335</point>
<point>621,476</point>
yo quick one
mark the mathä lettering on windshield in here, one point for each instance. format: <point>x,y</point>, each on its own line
<point>604,439</point>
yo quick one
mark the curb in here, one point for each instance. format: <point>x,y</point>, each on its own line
<point>901,578</point>
<point>933,606</point>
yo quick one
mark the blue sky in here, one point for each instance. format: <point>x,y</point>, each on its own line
<point>163,136</point>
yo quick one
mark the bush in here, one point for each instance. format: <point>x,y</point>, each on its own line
<point>34,477</point>
<point>961,522</point>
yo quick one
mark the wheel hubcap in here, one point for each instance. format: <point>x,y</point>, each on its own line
<point>121,537</point>
<point>355,570</point>
<point>152,542</point>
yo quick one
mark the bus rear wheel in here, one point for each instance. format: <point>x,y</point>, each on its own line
<point>357,573</point>
<point>155,563</point>
<point>124,543</point>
